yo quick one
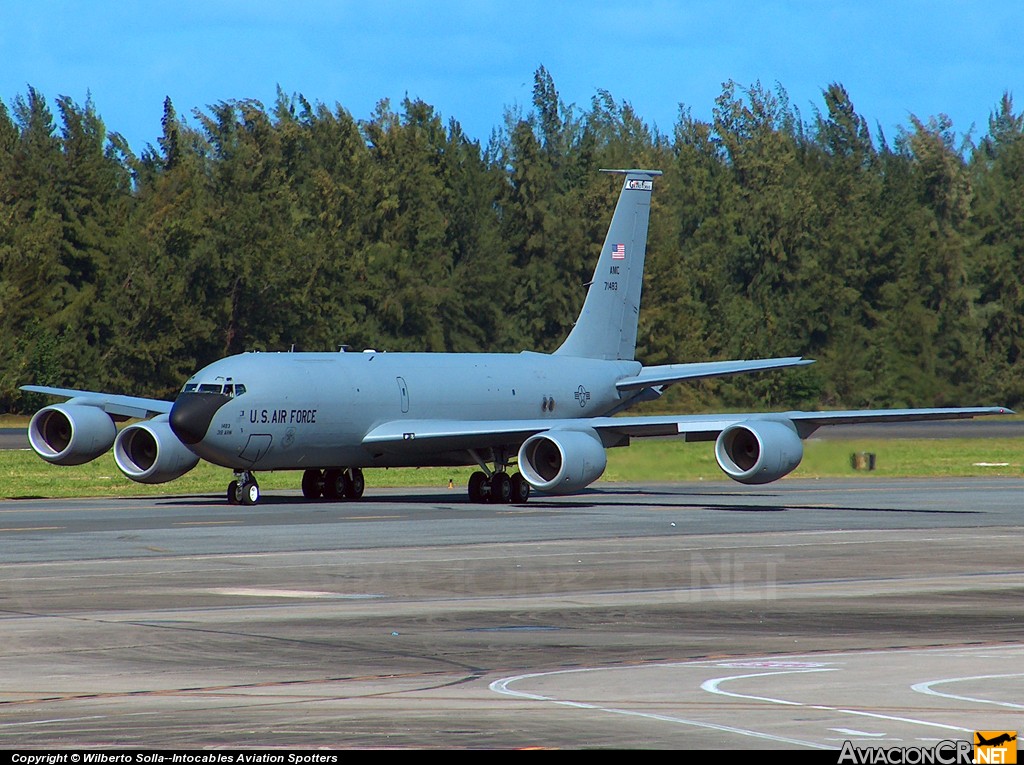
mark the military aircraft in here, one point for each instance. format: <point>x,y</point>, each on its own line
<point>552,415</point>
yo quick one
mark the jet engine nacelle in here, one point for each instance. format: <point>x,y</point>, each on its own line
<point>70,433</point>
<point>148,452</point>
<point>758,451</point>
<point>562,461</point>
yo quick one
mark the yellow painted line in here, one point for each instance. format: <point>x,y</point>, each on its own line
<point>36,528</point>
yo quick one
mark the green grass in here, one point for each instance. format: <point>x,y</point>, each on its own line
<point>672,460</point>
<point>23,474</point>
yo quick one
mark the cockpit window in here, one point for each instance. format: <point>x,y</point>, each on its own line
<point>228,390</point>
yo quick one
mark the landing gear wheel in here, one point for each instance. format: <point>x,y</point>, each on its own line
<point>520,489</point>
<point>333,478</point>
<point>501,488</point>
<point>243,490</point>
<point>478,487</point>
<point>312,484</point>
<point>354,484</point>
<point>250,493</point>
<point>337,484</point>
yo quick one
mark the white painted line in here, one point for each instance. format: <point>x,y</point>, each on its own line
<point>929,690</point>
<point>857,733</point>
<point>712,686</point>
<point>502,686</point>
<point>53,720</point>
<point>266,592</point>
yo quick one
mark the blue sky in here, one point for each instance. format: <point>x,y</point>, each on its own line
<point>472,60</point>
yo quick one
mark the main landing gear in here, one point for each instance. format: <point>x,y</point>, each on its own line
<point>497,486</point>
<point>333,483</point>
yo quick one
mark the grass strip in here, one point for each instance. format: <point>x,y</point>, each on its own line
<point>24,475</point>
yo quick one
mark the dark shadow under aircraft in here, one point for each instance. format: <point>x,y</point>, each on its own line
<point>552,416</point>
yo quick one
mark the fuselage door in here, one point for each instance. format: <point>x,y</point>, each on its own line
<point>256,447</point>
<point>403,392</point>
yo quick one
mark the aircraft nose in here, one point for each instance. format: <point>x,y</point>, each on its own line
<point>192,413</point>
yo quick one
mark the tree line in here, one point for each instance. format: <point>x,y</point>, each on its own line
<point>897,263</point>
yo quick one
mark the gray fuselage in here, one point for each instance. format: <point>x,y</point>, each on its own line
<point>311,410</point>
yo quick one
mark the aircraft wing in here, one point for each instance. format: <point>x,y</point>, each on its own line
<point>411,436</point>
<point>666,374</point>
<point>113,404</point>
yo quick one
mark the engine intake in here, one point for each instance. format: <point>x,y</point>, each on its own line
<point>149,452</point>
<point>758,451</point>
<point>71,434</point>
<point>562,461</point>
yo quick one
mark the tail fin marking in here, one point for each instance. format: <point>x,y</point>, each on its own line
<point>607,324</point>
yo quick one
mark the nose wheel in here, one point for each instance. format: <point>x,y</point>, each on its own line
<point>244,491</point>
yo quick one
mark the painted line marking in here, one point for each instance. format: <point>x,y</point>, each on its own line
<point>206,523</point>
<point>928,690</point>
<point>712,686</point>
<point>502,686</point>
<point>857,733</point>
<point>262,592</point>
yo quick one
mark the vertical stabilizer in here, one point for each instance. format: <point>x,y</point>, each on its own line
<point>606,327</point>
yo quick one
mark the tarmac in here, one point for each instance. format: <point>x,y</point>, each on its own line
<point>794,616</point>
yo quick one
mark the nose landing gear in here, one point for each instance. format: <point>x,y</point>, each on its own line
<point>245,490</point>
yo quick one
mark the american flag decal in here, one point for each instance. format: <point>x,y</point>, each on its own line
<point>619,252</point>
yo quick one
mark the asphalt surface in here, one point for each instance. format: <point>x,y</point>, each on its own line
<point>14,438</point>
<point>795,616</point>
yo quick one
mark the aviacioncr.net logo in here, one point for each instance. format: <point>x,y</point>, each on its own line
<point>995,746</point>
<point>943,753</point>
